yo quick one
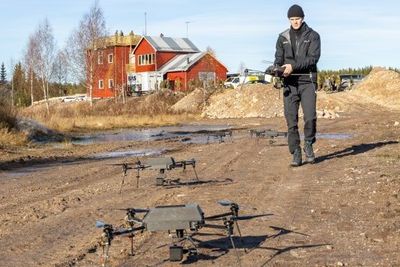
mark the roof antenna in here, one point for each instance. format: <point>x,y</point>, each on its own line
<point>145,23</point>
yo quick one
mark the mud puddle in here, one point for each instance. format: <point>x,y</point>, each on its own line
<point>198,134</point>
<point>129,153</point>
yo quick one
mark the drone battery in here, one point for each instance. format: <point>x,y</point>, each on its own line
<point>173,217</point>
<point>175,253</point>
<point>159,181</point>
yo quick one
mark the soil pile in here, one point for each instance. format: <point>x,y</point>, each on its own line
<point>381,87</point>
<point>256,101</point>
<point>192,103</point>
<point>253,100</point>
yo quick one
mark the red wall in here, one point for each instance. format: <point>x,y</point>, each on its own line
<point>205,64</point>
<point>164,57</point>
<point>115,71</point>
<point>143,48</point>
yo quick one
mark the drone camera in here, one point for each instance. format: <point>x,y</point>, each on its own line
<point>159,181</point>
<point>175,253</point>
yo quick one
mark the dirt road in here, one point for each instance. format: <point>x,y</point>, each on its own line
<point>342,211</point>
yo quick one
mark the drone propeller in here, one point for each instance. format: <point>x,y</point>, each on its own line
<point>133,210</point>
<point>225,202</point>
<point>100,224</point>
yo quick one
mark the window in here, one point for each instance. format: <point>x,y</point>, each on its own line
<point>100,57</point>
<point>147,59</point>
<point>110,58</point>
<point>101,84</point>
<point>110,83</point>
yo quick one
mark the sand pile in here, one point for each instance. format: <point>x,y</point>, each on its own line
<point>381,87</point>
<point>256,100</point>
<point>193,102</point>
<point>253,100</point>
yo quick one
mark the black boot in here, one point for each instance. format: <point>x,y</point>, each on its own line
<point>308,150</point>
<point>296,162</point>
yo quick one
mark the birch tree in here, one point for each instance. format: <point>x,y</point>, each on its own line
<point>82,45</point>
<point>30,61</point>
<point>40,55</point>
<point>46,56</point>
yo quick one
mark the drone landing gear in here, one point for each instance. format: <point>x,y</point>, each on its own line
<point>175,253</point>
<point>162,179</point>
<point>177,250</point>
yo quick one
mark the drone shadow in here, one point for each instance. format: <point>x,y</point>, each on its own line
<point>279,251</point>
<point>354,150</point>
<point>178,183</point>
<point>223,245</point>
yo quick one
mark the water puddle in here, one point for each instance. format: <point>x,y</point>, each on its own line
<point>129,153</point>
<point>335,136</point>
<point>186,133</point>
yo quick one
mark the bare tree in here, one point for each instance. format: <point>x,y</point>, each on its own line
<point>211,51</point>
<point>40,56</point>
<point>47,53</point>
<point>82,45</point>
<point>60,69</point>
<point>31,59</point>
<point>242,67</point>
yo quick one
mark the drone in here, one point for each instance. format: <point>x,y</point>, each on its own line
<point>183,222</point>
<point>220,135</point>
<point>268,133</point>
<point>161,164</point>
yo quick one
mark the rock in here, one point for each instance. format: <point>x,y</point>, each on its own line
<point>396,123</point>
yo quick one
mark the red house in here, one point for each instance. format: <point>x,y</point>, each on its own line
<point>112,64</point>
<point>175,60</point>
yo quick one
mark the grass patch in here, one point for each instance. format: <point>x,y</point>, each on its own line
<point>10,138</point>
<point>112,122</point>
<point>147,111</point>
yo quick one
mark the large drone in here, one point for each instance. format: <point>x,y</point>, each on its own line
<point>268,133</point>
<point>162,164</point>
<point>184,221</point>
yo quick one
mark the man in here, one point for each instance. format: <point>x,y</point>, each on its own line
<point>297,51</point>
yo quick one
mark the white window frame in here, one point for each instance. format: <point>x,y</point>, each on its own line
<point>110,58</point>
<point>101,84</point>
<point>110,83</point>
<point>100,57</point>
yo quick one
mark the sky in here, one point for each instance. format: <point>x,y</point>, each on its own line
<point>353,33</point>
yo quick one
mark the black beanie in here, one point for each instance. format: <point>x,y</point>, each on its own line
<point>295,11</point>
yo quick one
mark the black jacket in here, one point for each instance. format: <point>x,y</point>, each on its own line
<point>303,58</point>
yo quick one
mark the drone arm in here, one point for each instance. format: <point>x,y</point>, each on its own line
<point>218,216</point>
<point>214,226</point>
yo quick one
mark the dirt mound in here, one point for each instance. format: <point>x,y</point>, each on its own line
<point>381,87</point>
<point>192,103</point>
<point>253,100</point>
<point>256,101</point>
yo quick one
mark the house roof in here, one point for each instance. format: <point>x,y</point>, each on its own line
<point>169,44</point>
<point>181,62</point>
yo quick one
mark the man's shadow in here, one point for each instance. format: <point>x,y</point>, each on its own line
<point>353,150</point>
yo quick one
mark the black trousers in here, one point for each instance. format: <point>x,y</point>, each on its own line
<point>294,95</point>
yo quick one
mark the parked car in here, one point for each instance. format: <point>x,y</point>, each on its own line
<point>347,81</point>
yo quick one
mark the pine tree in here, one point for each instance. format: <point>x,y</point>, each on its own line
<point>3,75</point>
<point>22,94</point>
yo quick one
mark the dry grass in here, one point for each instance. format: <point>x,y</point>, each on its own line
<point>10,138</point>
<point>152,110</point>
<point>112,122</point>
<point>7,115</point>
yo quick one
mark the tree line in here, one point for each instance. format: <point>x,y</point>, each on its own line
<point>46,71</point>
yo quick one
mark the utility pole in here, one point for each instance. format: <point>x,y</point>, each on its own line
<point>145,23</point>
<point>187,28</point>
